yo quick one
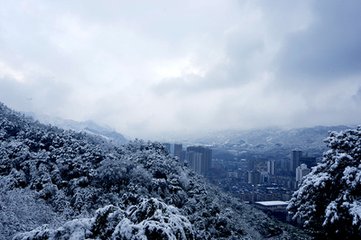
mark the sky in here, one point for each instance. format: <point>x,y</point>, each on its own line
<point>151,69</point>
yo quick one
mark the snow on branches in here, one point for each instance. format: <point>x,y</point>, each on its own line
<point>329,198</point>
<point>150,219</point>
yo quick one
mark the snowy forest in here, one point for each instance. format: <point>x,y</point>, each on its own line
<point>61,184</point>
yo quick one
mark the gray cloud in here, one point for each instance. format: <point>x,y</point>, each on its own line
<point>244,59</point>
<point>357,96</point>
<point>327,50</point>
<point>151,68</point>
<point>35,96</point>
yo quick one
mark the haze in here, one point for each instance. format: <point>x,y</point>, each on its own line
<point>154,68</point>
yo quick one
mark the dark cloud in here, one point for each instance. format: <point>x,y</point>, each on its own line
<point>329,48</point>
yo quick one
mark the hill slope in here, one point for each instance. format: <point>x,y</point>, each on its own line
<point>89,127</point>
<point>83,187</point>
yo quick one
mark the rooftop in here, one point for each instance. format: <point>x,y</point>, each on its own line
<point>272,203</point>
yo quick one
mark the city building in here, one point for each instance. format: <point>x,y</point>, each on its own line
<point>199,158</point>
<point>167,147</point>
<point>271,167</point>
<point>276,208</point>
<point>194,160</point>
<point>272,206</point>
<point>295,160</point>
<point>301,171</point>
<point>264,178</point>
<point>254,177</point>
<point>175,150</point>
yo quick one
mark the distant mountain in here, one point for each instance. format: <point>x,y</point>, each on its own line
<point>82,187</point>
<point>89,127</point>
<point>272,138</point>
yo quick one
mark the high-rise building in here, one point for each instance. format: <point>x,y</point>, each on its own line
<point>167,147</point>
<point>254,177</point>
<point>271,167</point>
<point>264,177</point>
<point>199,159</point>
<point>195,161</point>
<point>301,171</point>
<point>295,160</point>
<point>175,150</point>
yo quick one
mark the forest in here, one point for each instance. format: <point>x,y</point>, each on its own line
<point>61,184</point>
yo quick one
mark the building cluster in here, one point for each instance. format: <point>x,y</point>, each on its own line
<point>265,181</point>
<point>198,158</point>
<point>253,179</point>
<point>287,172</point>
<point>301,166</point>
<point>260,178</point>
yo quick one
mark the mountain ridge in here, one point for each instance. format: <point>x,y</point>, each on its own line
<point>88,126</point>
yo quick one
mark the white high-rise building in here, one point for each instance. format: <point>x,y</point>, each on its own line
<point>301,171</point>
<point>271,167</point>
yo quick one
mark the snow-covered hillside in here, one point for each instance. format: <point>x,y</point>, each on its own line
<point>89,127</point>
<point>82,187</point>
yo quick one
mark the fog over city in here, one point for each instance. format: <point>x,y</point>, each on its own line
<point>155,68</point>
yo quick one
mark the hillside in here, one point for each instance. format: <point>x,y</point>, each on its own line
<point>89,127</point>
<point>82,187</point>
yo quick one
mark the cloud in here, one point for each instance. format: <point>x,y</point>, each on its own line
<point>34,96</point>
<point>357,96</point>
<point>329,49</point>
<point>7,71</point>
<point>154,68</point>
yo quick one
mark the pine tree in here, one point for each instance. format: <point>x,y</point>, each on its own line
<point>329,198</point>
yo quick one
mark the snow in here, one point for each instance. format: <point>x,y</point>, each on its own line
<point>272,203</point>
<point>331,213</point>
<point>73,174</point>
<point>355,211</point>
<point>75,229</point>
<point>333,189</point>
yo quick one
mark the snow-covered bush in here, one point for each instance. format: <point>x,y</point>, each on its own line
<point>150,219</point>
<point>153,219</point>
<point>19,211</point>
<point>329,198</point>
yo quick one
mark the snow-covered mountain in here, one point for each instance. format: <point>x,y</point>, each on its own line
<point>269,138</point>
<point>82,187</point>
<point>89,127</point>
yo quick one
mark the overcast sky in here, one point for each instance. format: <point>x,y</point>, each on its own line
<point>153,68</point>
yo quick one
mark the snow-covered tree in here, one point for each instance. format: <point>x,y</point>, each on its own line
<point>62,177</point>
<point>150,219</point>
<point>329,198</point>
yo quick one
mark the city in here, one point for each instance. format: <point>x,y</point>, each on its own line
<point>255,180</point>
<point>185,120</point>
